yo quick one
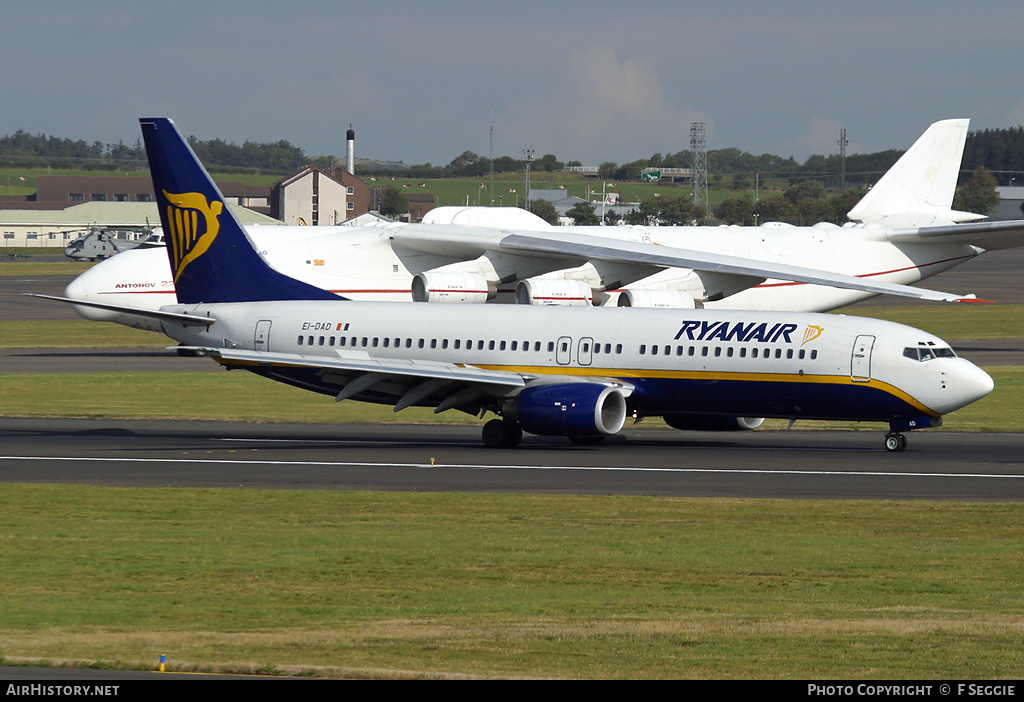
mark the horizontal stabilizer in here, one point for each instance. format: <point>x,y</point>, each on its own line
<point>186,320</point>
<point>990,236</point>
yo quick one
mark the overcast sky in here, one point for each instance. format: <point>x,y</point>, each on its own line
<point>589,81</point>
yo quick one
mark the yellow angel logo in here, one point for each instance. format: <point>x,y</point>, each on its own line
<point>811,333</point>
<point>189,239</point>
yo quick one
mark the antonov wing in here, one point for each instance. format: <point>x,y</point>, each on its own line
<point>990,236</point>
<point>584,247</point>
<point>576,249</point>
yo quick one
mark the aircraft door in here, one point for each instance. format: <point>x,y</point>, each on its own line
<point>585,351</point>
<point>860,363</point>
<point>563,350</point>
<point>261,338</point>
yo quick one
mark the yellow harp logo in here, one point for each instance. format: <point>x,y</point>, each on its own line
<point>811,333</point>
<point>189,237</point>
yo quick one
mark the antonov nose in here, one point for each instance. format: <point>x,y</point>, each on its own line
<point>77,289</point>
<point>82,289</point>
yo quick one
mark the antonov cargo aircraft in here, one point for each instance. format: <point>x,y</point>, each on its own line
<point>907,231</point>
<point>543,370</point>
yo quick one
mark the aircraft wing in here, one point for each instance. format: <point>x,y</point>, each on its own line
<point>419,380</point>
<point>990,236</point>
<point>583,247</point>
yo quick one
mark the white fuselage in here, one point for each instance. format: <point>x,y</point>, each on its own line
<point>717,362</point>
<point>364,263</point>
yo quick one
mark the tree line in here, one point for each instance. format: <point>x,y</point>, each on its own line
<point>802,204</point>
<point>22,149</point>
<point>999,150</point>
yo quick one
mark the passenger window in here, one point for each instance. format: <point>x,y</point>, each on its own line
<point>643,349</point>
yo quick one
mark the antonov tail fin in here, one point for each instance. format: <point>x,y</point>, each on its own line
<point>212,260</point>
<point>919,188</point>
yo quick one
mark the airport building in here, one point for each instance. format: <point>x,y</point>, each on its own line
<point>66,207</point>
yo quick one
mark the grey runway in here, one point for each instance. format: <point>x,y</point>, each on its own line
<point>764,464</point>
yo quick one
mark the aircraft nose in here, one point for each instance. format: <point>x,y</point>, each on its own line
<point>78,289</point>
<point>81,288</point>
<point>974,384</point>
<point>970,384</point>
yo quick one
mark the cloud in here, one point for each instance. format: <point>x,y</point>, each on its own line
<point>602,107</point>
<point>822,138</point>
<point>1016,115</point>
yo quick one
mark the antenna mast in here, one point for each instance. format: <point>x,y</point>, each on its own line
<point>700,164</point>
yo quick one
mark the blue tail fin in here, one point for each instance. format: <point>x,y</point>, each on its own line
<point>212,260</point>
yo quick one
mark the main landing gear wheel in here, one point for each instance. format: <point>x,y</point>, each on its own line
<point>498,433</point>
<point>895,442</point>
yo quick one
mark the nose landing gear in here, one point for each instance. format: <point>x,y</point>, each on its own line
<point>894,441</point>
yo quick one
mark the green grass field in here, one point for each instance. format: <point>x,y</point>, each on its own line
<point>385,585</point>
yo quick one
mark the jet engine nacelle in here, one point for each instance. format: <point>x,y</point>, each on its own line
<point>541,291</point>
<point>571,409</point>
<point>675,299</point>
<point>696,422</point>
<point>434,286</point>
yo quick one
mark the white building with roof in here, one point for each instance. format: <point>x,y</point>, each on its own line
<point>57,228</point>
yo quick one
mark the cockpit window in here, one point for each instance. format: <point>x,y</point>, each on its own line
<point>927,353</point>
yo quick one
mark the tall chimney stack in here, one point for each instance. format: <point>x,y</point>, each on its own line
<point>350,143</point>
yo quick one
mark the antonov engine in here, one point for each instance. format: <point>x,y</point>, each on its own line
<point>542,291</point>
<point>434,286</point>
<point>640,297</point>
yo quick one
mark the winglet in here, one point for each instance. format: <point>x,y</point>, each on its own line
<point>922,181</point>
<point>212,259</point>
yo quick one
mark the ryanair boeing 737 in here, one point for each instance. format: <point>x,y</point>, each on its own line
<point>575,372</point>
